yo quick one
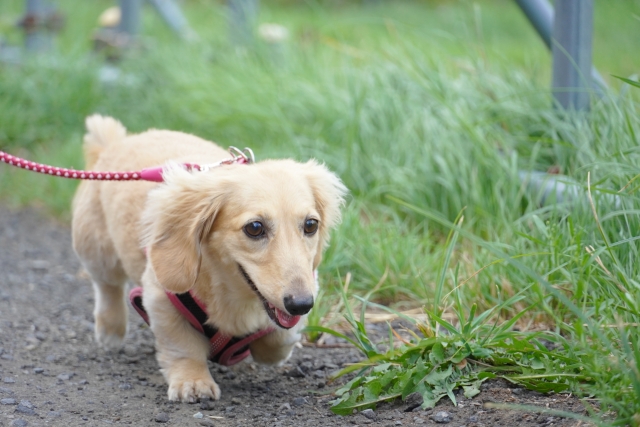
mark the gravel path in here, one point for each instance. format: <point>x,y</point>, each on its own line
<point>51,372</point>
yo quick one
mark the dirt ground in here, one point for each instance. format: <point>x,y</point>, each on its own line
<point>52,373</point>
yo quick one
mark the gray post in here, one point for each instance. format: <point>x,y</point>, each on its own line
<point>37,37</point>
<point>173,16</point>
<point>540,14</point>
<point>243,15</point>
<point>130,17</point>
<point>572,34</point>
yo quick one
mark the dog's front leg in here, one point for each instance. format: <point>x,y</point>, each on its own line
<point>276,347</point>
<point>182,351</point>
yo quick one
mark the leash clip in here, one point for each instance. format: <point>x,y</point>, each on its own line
<point>246,155</point>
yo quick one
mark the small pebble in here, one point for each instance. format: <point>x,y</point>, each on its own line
<point>162,417</point>
<point>19,423</point>
<point>8,380</point>
<point>38,370</point>
<point>26,404</point>
<point>369,413</point>
<point>206,405</point>
<point>8,401</point>
<point>319,374</point>
<point>64,377</point>
<point>40,264</point>
<point>125,386</point>
<point>230,375</point>
<point>131,350</point>
<point>441,417</point>
<point>198,415</point>
<point>295,372</point>
<point>299,401</point>
<point>284,407</point>
<point>413,401</point>
<point>207,423</point>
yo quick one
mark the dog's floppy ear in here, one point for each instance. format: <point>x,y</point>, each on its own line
<point>328,192</point>
<point>178,217</point>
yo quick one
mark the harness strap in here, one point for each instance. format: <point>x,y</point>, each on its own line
<point>224,349</point>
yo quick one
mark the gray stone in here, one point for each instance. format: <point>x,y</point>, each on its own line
<point>26,404</point>
<point>198,415</point>
<point>369,413</point>
<point>299,401</point>
<point>19,423</point>
<point>413,401</point>
<point>441,417</point>
<point>295,372</point>
<point>319,374</point>
<point>8,401</point>
<point>284,407</point>
<point>38,370</point>
<point>162,417</point>
<point>40,265</point>
<point>206,405</point>
<point>8,380</point>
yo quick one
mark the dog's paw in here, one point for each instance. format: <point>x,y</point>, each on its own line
<point>189,391</point>
<point>110,338</point>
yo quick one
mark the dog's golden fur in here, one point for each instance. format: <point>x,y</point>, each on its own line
<point>192,228</point>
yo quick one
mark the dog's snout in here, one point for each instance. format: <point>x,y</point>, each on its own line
<point>298,305</point>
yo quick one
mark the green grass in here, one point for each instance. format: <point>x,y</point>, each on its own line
<point>427,111</point>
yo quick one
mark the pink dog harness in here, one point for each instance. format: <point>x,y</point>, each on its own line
<point>225,350</point>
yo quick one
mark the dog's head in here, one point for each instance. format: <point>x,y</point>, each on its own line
<point>265,225</point>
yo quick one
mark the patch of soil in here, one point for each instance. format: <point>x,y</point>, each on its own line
<point>52,373</point>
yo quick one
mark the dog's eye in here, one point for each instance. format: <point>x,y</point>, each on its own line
<point>310,226</point>
<point>254,229</point>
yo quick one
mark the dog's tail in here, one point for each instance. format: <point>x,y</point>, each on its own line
<point>101,131</point>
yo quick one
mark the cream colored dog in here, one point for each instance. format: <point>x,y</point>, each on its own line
<point>244,239</point>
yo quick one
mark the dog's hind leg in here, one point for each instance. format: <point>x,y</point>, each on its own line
<point>94,247</point>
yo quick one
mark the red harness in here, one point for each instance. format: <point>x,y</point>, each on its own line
<point>225,350</point>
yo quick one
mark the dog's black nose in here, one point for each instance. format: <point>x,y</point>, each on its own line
<point>298,305</point>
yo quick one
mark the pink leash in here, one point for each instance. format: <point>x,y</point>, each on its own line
<point>149,174</point>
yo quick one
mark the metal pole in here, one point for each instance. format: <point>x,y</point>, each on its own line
<point>130,17</point>
<point>37,38</point>
<point>173,16</point>
<point>243,15</point>
<point>541,15</point>
<point>571,50</point>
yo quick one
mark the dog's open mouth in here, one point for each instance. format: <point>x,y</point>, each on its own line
<point>279,317</point>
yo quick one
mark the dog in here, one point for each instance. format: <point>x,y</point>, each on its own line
<point>244,240</point>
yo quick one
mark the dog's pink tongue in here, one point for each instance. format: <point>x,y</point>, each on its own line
<point>287,320</point>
